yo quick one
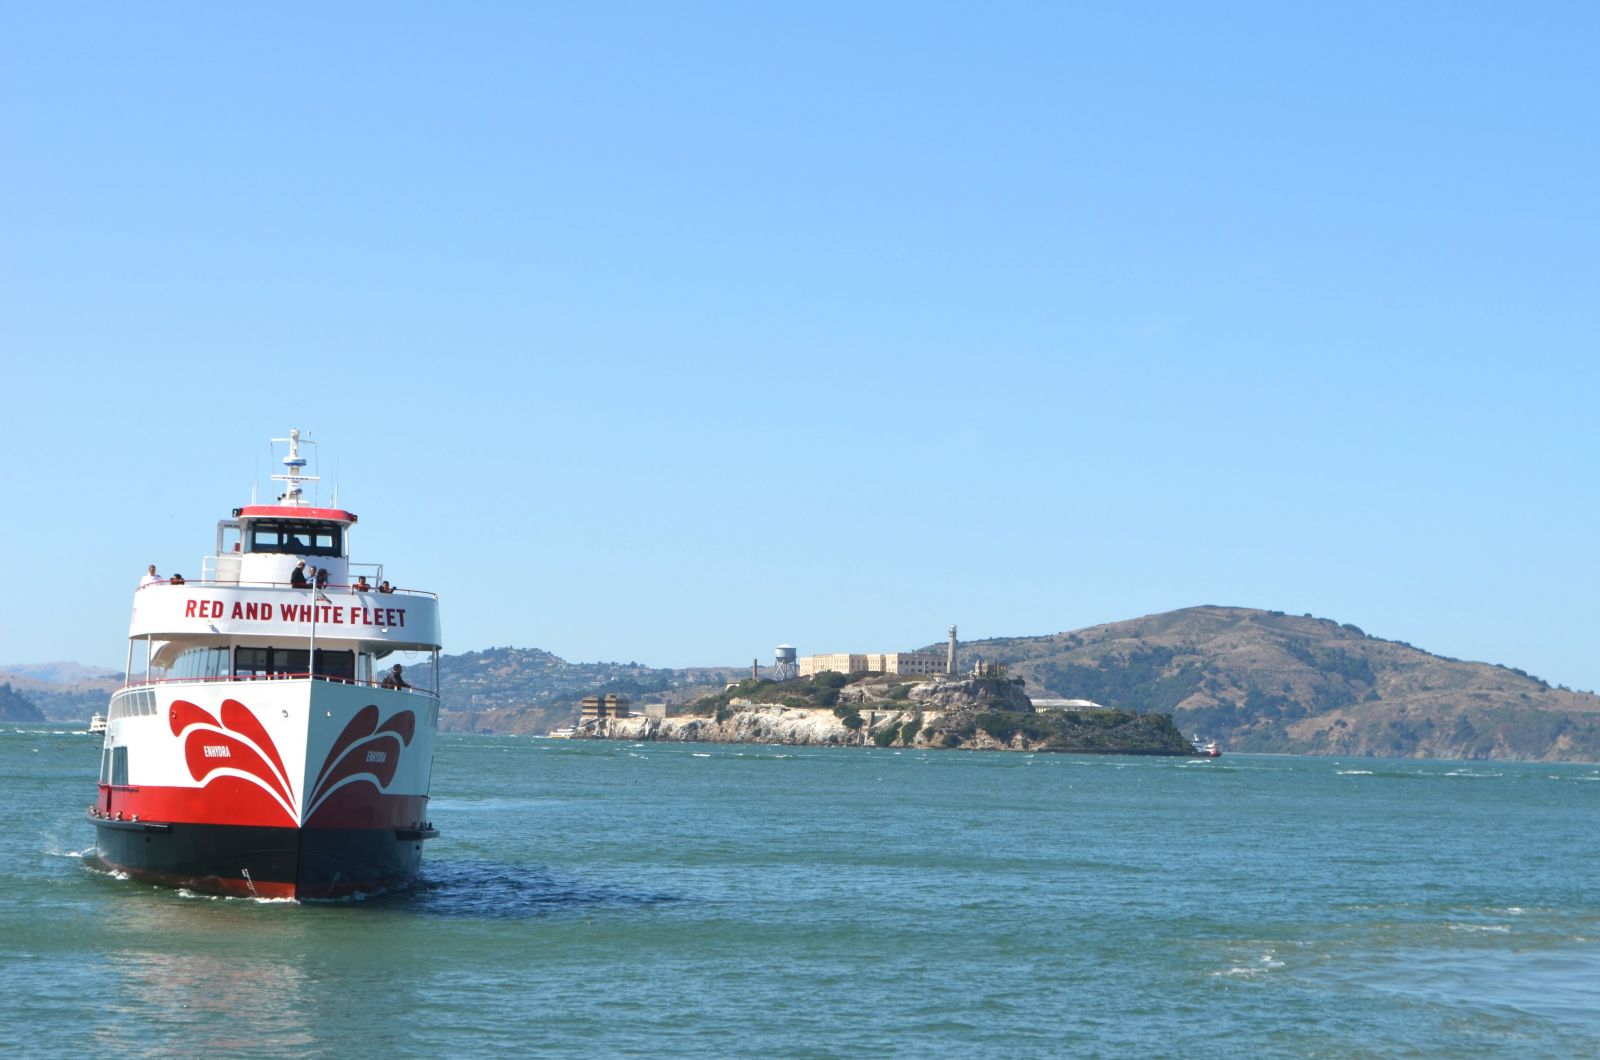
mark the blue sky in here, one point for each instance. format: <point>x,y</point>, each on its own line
<point>669,332</point>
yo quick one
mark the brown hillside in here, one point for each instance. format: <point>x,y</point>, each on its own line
<point>1266,681</point>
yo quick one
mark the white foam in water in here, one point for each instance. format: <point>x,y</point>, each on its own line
<point>54,850</point>
<point>1355,772</point>
<point>201,896</point>
<point>698,754</point>
<point>1265,963</point>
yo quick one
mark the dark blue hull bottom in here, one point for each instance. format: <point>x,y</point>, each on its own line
<point>248,861</point>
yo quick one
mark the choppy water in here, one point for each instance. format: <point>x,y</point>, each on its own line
<point>609,898</point>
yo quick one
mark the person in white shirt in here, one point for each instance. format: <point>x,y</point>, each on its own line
<point>150,577</point>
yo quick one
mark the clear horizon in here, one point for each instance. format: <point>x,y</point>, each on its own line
<point>676,334</point>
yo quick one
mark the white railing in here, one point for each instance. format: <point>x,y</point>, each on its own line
<point>224,570</point>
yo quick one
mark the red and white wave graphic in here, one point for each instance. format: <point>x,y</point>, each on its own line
<point>235,747</point>
<point>365,753</point>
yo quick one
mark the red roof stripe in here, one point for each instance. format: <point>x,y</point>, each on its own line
<point>257,511</point>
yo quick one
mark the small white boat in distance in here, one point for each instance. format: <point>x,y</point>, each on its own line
<point>97,723</point>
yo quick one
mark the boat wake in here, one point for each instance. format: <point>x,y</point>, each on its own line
<point>492,891</point>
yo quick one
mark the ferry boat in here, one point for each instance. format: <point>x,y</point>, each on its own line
<point>1206,748</point>
<point>267,750</point>
<point>97,723</point>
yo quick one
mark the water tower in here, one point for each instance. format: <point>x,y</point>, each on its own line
<point>785,667</point>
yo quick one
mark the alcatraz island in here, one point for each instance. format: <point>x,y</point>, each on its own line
<point>895,699</point>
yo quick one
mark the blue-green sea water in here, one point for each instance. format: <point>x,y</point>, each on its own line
<point>617,899</point>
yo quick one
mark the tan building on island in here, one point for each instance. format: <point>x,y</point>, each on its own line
<point>838,662</point>
<point>607,706</point>
<point>894,662</point>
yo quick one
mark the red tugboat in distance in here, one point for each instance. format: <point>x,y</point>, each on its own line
<point>265,751</point>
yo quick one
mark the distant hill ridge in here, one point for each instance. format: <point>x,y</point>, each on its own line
<point>1267,681</point>
<point>61,691</point>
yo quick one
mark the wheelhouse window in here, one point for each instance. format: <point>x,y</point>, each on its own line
<point>296,538</point>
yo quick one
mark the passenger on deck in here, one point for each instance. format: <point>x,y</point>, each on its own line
<point>176,579</point>
<point>392,679</point>
<point>361,585</point>
<point>311,575</point>
<point>297,577</point>
<point>322,578</point>
<point>149,577</point>
<point>385,587</point>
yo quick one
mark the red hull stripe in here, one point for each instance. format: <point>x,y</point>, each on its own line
<point>233,800</point>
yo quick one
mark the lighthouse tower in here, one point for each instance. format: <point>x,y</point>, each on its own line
<point>950,654</point>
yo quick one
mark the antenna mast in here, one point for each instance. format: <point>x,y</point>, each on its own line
<point>293,466</point>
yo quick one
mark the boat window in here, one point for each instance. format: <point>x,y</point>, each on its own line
<point>199,663</point>
<point>277,662</point>
<point>250,662</point>
<point>339,665</point>
<point>268,662</point>
<point>119,766</point>
<point>297,539</point>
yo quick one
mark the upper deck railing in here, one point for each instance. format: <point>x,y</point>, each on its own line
<point>329,587</point>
